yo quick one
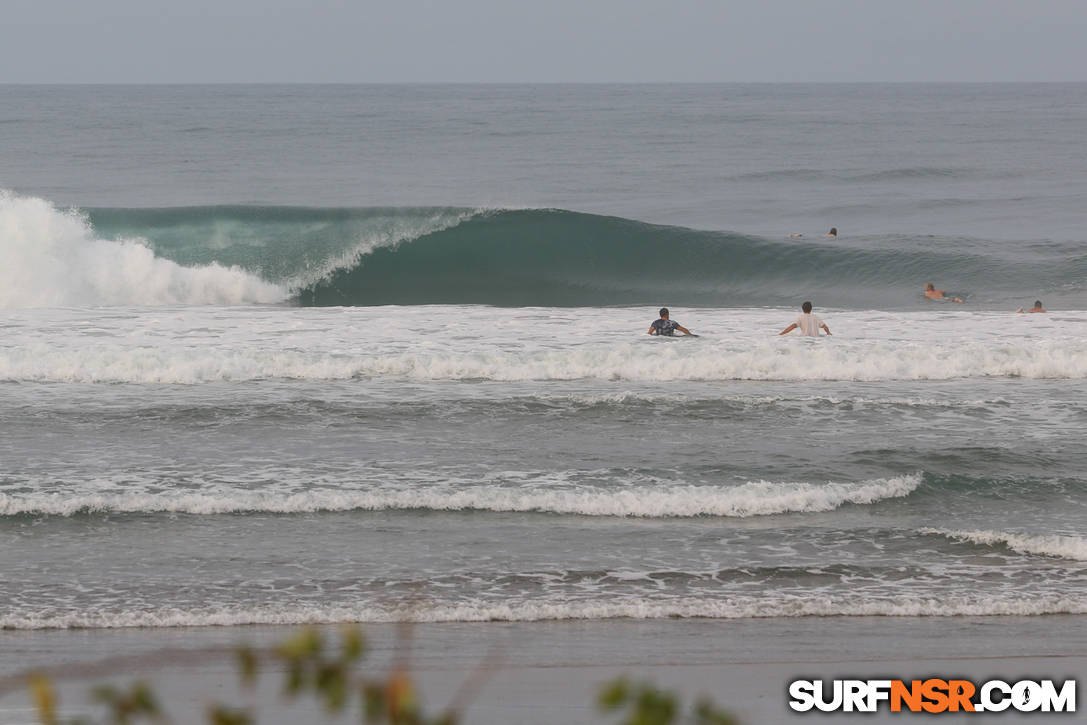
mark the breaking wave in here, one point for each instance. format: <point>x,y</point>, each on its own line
<point>510,257</point>
<point>658,499</point>
<point>53,258</point>
<point>1053,545</point>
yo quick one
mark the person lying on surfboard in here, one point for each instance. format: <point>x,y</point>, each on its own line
<point>1037,308</point>
<point>667,327</point>
<point>938,294</point>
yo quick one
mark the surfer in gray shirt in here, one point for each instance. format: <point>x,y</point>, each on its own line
<point>665,326</point>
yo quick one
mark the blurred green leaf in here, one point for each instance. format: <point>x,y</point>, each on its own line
<point>248,665</point>
<point>305,645</point>
<point>295,679</point>
<point>219,715</point>
<point>613,694</point>
<point>354,643</point>
<point>45,699</point>
<point>389,701</point>
<point>332,684</point>
<point>706,713</point>
<point>373,699</point>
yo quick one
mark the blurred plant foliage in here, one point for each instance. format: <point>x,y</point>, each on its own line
<point>332,676</point>
<point>645,704</point>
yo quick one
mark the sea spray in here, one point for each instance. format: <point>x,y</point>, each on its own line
<point>52,258</point>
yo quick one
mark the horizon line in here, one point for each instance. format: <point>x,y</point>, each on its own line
<point>542,83</point>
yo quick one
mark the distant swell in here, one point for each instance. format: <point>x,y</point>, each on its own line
<point>746,607</point>
<point>756,498</point>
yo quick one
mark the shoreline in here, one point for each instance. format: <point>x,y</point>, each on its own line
<point>547,672</point>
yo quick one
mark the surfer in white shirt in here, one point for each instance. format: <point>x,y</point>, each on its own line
<point>808,323</point>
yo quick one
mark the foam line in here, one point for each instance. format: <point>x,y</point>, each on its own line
<point>662,499</point>
<point>115,362</point>
<point>709,608</point>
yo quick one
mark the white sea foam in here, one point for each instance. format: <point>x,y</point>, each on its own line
<point>207,344</point>
<point>612,608</point>
<point>631,397</point>
<point>519,345</point>
<point>759,361</point>
<point>1063,547</point>
<point>53,259</point>
<point>662,499</point>
<point>38,362</point>
<point>114,363</point>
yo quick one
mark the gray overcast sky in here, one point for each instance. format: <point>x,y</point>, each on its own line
<point>187,41</point>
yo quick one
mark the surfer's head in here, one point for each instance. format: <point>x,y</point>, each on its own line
<point>806,306</point>
<point>930,287</point>
<point>833,232</point>
<point>1037,304</point>
<point>664,313</point>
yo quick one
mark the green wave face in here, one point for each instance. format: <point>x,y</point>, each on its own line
<point>294,246</point>
<point>549,257</point>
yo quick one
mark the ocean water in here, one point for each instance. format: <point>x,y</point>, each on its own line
<point>284,354</point>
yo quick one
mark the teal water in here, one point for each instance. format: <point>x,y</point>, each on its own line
<point>550,257</point>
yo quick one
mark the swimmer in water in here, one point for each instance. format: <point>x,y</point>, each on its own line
<point>1037,307</point>
<point>938,294</point>
<point>833,232</point>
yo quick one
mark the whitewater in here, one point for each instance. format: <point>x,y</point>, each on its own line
<point>180,345</point>
<point>54,259</point>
